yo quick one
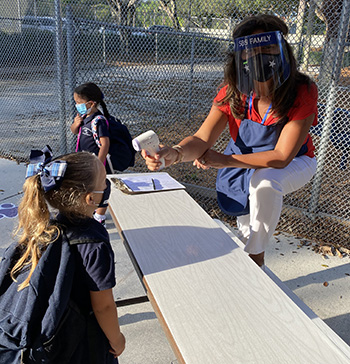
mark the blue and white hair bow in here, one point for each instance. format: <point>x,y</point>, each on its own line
<point>51,173</point>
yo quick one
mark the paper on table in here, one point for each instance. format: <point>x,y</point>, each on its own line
<point>146,182</point>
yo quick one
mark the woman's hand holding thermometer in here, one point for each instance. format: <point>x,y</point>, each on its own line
<point>150,142</point>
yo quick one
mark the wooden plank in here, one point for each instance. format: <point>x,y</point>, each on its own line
<point>218,306</point>
<point>338,341</point>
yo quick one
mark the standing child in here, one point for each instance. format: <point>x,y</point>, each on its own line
<point>72,185</point>
<point>91,125</point>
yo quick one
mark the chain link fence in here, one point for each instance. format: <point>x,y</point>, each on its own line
<point>160,64</point>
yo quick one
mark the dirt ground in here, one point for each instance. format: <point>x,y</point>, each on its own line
<point>328,225</point>
<point>323,228</point>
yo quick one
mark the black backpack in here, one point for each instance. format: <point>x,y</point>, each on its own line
<point>40,323</point>
<point>121,151</point>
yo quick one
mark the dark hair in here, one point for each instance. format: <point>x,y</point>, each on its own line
<point>284,98</point>
<point>91,92</point>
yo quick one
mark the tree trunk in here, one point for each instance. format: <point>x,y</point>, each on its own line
<point>126,10</point>
<point>330,12</point>
<point>169,6</point>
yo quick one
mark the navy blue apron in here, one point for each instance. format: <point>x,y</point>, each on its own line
<point>232,184</point>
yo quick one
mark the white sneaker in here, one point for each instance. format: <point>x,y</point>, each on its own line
<point>101,221</point>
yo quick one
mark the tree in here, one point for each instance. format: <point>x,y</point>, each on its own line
<point>236,10</point>
<point>330,12</point>
<point>169,6</point>
<point>125,9</point>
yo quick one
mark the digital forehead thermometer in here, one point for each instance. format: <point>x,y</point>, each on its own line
<point>148,141</point>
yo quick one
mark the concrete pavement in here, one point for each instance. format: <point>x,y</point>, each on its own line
<point>322,284</point>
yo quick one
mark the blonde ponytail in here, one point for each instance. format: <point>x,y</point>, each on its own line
<point>34,229</point>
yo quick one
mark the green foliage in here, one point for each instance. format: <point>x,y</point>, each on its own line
<point>102,12</point>
<point>89,9</point>
<point>233,9</point>
<point>83,2</point>
<point>147,12</point>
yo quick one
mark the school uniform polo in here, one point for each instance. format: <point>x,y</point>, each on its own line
<point>94,260</point>
<point>94,271</point>
<point>86,139</point>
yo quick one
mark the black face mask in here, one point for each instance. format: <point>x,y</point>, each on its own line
<point>105,196</point>
<point>263,66</point>
<point>245,81</point>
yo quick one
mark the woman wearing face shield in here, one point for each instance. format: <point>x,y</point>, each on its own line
<point>269,107</point>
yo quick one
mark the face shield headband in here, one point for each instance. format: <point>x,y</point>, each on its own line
<point>261,58</point>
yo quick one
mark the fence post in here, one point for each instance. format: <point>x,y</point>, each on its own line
<point>330,106</point>
<point>104,44</point>
<point>191,78</point>
<point>71,75</point>
<point>60,79</point>
<point>300,24</point>
<point>19,16</point>
<point>308,37</point>
<point>156,47</point>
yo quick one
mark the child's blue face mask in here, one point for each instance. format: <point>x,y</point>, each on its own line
<point>82,109</point>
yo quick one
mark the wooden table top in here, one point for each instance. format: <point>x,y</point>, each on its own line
<point>215,304</point>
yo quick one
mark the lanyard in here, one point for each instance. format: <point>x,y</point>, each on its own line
<point>250,109</point>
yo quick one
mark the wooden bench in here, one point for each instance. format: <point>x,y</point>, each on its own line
<point>213,302</point>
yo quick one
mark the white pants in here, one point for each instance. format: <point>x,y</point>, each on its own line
<point>267,188</point>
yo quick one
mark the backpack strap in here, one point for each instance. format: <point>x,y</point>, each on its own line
<point>78,140</point>
<point>94,124</point>
<point>64,231</point>
<point>83,241</point>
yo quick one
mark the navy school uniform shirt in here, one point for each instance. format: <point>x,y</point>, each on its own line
<point>95,267</point>
<point>87,141</point>
<point>94,271</point>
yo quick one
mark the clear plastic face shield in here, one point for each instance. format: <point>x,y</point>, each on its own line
<point>262,62</point>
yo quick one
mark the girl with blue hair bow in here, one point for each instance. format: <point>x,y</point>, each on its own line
<point>72,185</point>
